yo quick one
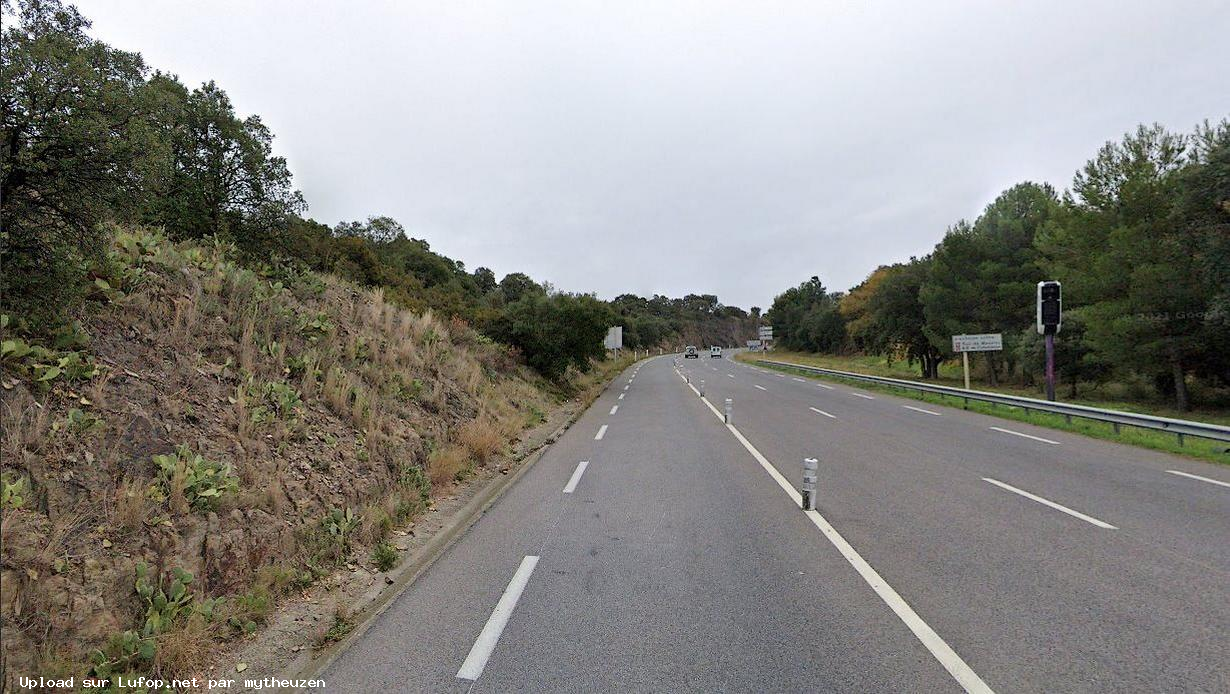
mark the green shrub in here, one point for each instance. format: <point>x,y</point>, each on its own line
<point>384,556</point>
<point>203,481</point>
<point>13,492</point>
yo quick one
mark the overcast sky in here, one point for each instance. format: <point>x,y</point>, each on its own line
<point>676,147</point>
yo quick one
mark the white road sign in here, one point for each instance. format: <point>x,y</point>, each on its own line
<point>766,332</point>
<point>987,342</point>
<point>614,338</point>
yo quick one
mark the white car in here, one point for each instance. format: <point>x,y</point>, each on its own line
<point>715,352</point>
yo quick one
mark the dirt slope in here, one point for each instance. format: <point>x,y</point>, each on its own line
<point>255,430</point>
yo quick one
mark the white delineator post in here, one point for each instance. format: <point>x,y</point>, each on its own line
<point>810,466</point>
<point>729,405</point>
<point>965,363</point>
<point>702,387</point>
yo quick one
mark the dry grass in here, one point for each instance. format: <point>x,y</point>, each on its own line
<point>27,425</point>
<point>131,507</point>
<point>187,647</point>
<point>482,439</point>
<point>446,464</point>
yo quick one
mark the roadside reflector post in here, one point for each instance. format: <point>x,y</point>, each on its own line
<point>702,387</point>
<point>810,465</point>
<point>729,405</point>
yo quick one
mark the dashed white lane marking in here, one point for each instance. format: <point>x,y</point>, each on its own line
<point>780,375</point>
<point>960,671</point>
<point>818,411</point>
<point>919,409</point>
<point>621,396</point>
<point>627,387</point>
<point>1052,504</point>
<point>1198,477</point>
<point>861,395</point>
<point>601,433</point>
<point>824,386</point>
<point>1025,436</point>
<point>730,375</point>
<point>761,387</point>
<point>800,380</point>
<point>576,477</point>
<point>490,635</point>
<point>614,409</point>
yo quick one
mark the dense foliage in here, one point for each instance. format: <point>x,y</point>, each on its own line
<point>1141,244</point>
<point>91,136</point>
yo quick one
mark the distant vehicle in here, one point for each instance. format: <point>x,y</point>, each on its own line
<point>689,352</point>
<point>715,352</point>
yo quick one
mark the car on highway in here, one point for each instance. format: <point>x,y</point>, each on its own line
<point>715,352</point>
<point>689,352</point>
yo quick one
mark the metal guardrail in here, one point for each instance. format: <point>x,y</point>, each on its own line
<point>1179,427</point>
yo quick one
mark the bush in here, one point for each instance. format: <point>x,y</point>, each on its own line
<point>189,476</point>
<point>384,556</point>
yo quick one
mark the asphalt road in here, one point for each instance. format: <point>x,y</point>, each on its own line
<point>944,554</point>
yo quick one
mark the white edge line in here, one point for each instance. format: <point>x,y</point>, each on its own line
<point>818,411</point>
<point>1198,477</point>
<point>576,476</point>
<point>1052,504</point>
<point>960,671</point>
<point>919,409</point>
<point>1025,436</point>
<point>601,433</point>
<point>490,635</point>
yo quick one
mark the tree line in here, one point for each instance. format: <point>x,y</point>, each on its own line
<point>1140,241</point>
<point>92,136</point>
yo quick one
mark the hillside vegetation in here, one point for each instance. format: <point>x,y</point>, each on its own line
<point>1141,243</point>
<point>91,136</point>
<point>208,437</point>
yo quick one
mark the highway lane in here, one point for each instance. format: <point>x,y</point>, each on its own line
<point>1140,607</point>
<point>674,562</point>
<point>673,565</point>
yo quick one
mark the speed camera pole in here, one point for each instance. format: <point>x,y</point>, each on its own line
<point>1050,319</point>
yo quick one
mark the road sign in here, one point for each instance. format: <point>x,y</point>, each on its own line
<point>614,338</point>
<point>1050,307</point>
<point>766,332</point>
<point>986,342</point>
<point>753,344</point>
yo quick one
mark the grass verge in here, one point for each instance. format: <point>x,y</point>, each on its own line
<point>1201,449</point>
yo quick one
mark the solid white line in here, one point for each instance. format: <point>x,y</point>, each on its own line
<point>960,671</point>
<point>919,409</point>
<point>576,476</point>
<point>865,397</point>
<point>614,409</point>
<point>1198,477</point>
<point>1025,436</point>
<point>601,433</point>
<point>490,635</point>
<point>824,386</point>
<point>761,387</point>
<point>826,414</point>
<point>1052,504</point>
<point>621,396</point>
